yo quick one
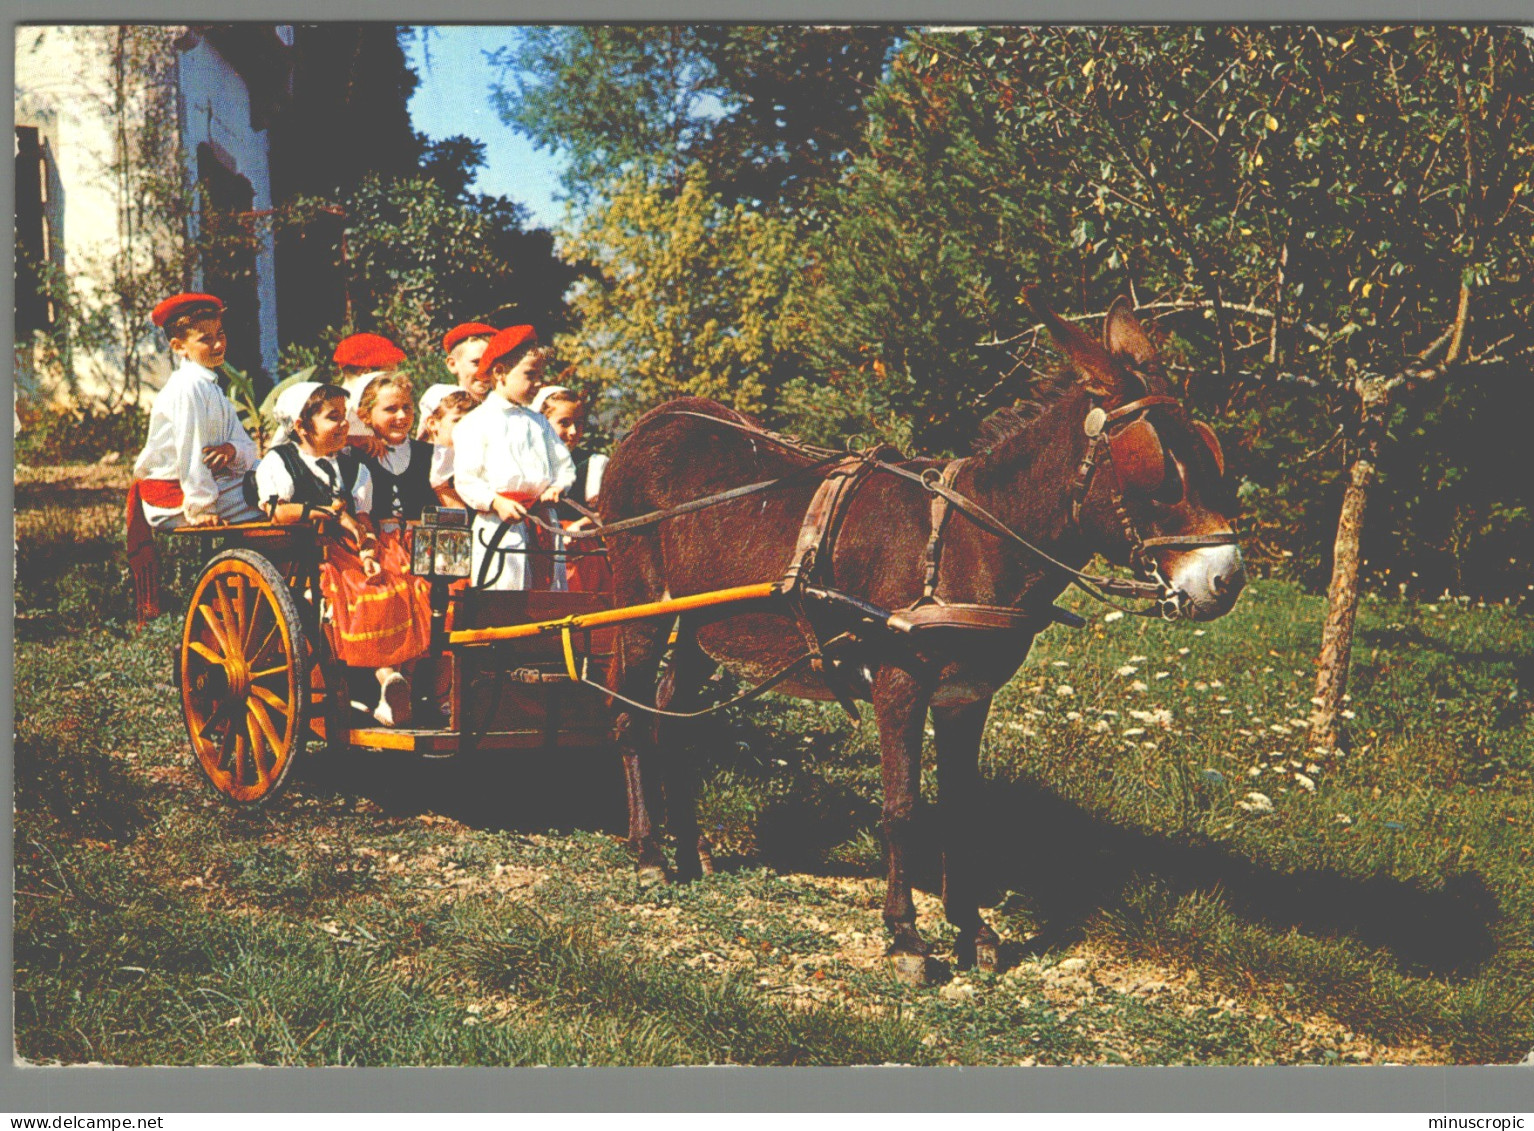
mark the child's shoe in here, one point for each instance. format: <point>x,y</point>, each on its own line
<point>393,708</point>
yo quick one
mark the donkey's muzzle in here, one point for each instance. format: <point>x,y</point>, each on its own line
<point>1208,579</point>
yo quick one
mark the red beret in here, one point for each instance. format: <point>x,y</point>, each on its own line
<point>467,330</point>
<point>504,343</point>
<point>367,351</point>
<point>182,304</point>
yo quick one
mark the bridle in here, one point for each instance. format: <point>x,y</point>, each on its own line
<point>1125,430</point>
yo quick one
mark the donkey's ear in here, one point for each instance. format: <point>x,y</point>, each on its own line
<point>1123,334</point>
<point>1090,360</point>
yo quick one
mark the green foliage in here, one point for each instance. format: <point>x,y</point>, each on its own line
<point>769,112</point>
<point>419,260</point>
<point>1296,208</point>
<point>687,297</point>
<point>611,97</point>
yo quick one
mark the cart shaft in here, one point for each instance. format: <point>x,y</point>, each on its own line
<point>615,616</point>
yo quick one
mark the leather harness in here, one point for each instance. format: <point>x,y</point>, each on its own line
<point>810,573</point>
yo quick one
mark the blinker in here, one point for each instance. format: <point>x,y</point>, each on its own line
<point>1212,442</point>
<point>1095,421</point>
<point>1138,456</point>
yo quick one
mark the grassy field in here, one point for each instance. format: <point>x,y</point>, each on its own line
<point>1179,879</point>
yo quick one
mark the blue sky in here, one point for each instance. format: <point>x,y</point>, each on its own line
<point>454,98</point>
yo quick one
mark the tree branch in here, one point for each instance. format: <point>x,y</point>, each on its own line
<point>1210,279</point>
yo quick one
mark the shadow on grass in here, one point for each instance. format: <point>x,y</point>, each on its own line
<point>1411,639</point>
<point>1066,863</point>
<point>521,791</point>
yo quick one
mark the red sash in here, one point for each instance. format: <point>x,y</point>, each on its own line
<point>540,557</point>
<point>142,563</point>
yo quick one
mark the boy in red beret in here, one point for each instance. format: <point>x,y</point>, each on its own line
<point>463,345</point>
<point>507,459</point>
<point>197,452</point>
<point>360,358</point>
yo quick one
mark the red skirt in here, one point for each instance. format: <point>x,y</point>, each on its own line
<point>375,622</point>
<point>584,572</point>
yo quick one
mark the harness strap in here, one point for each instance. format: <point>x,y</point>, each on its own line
<point>934,552</point>
<point>762,688</point>
<point>815,551</point>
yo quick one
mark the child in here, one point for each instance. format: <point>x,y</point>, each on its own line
<point>402,474</point>
<point>464,345</point>
<point>566,411</point>
<point>442,416</point>
<point>361,357</point>
<point>379,617</point>
<point>508,459</point>
<point>197,452</point>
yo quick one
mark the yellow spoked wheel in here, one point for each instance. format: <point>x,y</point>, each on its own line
<point>244,677</point>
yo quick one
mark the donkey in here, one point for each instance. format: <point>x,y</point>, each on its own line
<point>1161,474</point>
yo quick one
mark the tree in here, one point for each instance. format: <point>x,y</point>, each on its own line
<point>685,299</point>
<point>420,262</point>
<point>379,227</point>
<point>1343,210</point>
<point>766,111</point>
<point>348,119</point>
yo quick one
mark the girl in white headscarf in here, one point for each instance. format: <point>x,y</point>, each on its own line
<point>376,616</point>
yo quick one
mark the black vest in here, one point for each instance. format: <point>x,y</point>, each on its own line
<point>308,487</point>
<point>407,493</point>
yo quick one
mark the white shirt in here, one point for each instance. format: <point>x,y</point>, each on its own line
<point>192,413</point>
<point>441,464</point>
<point>504,447</point>
<point>272,478</point>
<point>594,472</point>
<point>396,458</point>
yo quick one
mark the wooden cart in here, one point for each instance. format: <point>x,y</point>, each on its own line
<point>260,687</point>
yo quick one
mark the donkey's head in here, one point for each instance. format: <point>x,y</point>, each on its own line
<point>1151,490</point>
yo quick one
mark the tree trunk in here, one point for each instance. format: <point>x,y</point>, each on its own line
<point>1342,606</point>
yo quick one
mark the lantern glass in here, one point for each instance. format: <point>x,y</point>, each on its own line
<point>421,551</point>
<point>452,553</point>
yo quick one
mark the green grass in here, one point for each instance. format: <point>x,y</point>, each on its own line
<point>383,913</point>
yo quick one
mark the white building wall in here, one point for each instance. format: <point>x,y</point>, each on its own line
<point>63,84</point>
<point>215,107</point>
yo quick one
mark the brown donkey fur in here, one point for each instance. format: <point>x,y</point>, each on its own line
<point>1024,477</point>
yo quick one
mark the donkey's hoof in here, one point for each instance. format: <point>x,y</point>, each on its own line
<point>909,968</point>
<point>650,875</point>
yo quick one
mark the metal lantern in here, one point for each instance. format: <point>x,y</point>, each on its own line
<point>440,546</point>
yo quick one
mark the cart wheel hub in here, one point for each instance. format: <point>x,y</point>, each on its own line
<point>238,674</point>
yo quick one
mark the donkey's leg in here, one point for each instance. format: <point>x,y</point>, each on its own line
<point>678,691</point>
<point>957,732</point>
<point>632,675</point>
<point>900,705</point>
